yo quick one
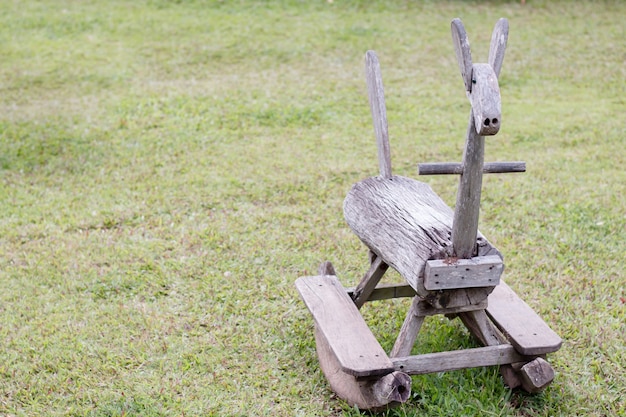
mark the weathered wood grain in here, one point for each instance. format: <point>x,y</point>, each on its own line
<point>484,330</point>
<point>443,168</point>
<point>408,333</point>
<point>466,211</point>
<point>326,268</point>
<point>498,45</point>
<point>387,291</point>
<point>445,274</point>
<point>375,394</point>
<point>521,325</point>
<point>485,100</point>
<point>369,281</point>
<point>353,344</point>
<point>426,309</point>
<point>376,94</point>
<point>536,375</point>
<point>402,220</point>
<point>405,223</point>
<point>457,359</point>
<point>462,50</point>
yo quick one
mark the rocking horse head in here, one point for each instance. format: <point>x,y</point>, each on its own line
<point>481,80</point>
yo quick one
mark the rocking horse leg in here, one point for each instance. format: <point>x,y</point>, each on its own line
<point>326,268</point>
<point>369,281</point>
<point>532,376</point>
<point>481,327</point>
<point>408,332</point>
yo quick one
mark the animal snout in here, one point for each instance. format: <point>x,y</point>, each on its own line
<point>490,126</point>
<point>491,122</point>
<point>485,100</point>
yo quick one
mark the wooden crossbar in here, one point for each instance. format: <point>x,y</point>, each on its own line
<point>443,168</point>
<point>457,359</point>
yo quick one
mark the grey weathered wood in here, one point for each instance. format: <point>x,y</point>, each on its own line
<point>457,359</point>
<point>374,394</point>
<point>466,211</point>
<point>481,80</point>
<point>485,100</point>
<point>485,119</point>
<point>462,50</point>
<point>387,291</point>
<point>326,268</point>
<point>376,95</point>
<point>452,273</point>
<point>408,333</point>
<point>405,223</point>
<point>521,325</point>
<point>484,330</point>
<point>426,309</point>
<point>369,281</point>
<point>536,375</point>
<point>353,344</point>
<point>498,45</point>
<point>443,168</point>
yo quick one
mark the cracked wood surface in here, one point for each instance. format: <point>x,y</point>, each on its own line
<point>406,223</point>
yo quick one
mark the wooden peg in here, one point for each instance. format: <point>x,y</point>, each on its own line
<point>536,375</point>
<point>442,168</point>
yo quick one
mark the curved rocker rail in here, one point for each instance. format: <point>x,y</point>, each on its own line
<point>361,373</point>
<point>373,394</point>
<point>356,366</point>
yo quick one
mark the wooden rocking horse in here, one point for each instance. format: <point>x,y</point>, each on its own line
<point>450,268</point>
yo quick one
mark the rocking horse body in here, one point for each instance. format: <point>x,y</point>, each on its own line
<point>450,268</point>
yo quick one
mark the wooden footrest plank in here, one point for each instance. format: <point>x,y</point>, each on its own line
<point>339,321</point>
<point>521,325</point>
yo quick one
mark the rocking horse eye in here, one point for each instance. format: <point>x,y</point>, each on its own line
<point>473,81</point>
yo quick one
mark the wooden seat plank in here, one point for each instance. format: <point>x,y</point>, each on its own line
<point>339,321</point>
<point>401,220</point>
<point>406,223</point>
<point>526,331</point>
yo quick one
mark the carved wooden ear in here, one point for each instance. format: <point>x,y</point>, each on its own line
<point>498,45</point>
<point>462,49</point>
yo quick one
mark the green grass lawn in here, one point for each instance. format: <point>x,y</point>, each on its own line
<point>169,168</point>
